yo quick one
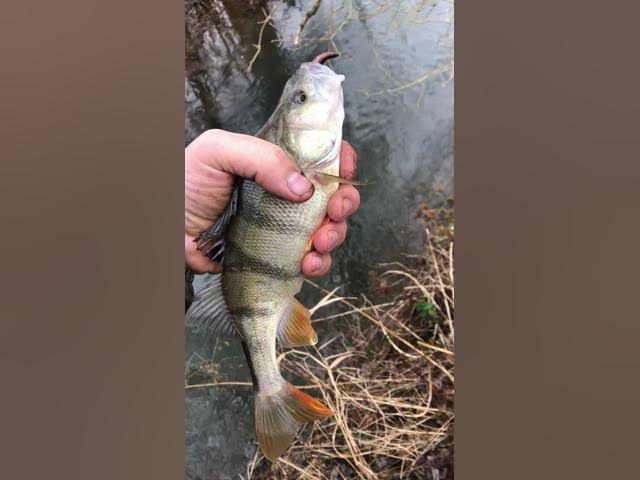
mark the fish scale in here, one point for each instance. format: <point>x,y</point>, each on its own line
<point>266,240</point>
<point>270,283</point>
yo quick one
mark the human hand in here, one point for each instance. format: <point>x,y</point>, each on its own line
<point>215,158</point>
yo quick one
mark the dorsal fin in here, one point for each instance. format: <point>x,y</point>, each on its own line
<point>211,242</point>
<point>294,329</point>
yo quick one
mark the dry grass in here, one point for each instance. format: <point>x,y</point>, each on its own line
<point>388,375</point>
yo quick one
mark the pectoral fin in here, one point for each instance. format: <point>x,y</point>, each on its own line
<point>294,329</point>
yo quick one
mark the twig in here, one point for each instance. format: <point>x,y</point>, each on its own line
<point>263,23</point>
<point>417,81</point>
<point>307,16</point>
<point>218,384</point>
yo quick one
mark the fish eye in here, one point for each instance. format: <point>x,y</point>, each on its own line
<point>299,97</point>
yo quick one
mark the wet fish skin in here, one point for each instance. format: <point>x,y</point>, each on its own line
<point>263,253</point>
<point>266,241</point>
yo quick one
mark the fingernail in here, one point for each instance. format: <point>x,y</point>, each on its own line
<point>332,236</point>
<point>298,184</point>
<point>347,206</point>
<point>316,263</point>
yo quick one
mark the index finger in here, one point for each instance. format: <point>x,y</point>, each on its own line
<point>348,160</point>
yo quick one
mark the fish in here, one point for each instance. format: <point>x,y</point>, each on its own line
<point>263,239</point>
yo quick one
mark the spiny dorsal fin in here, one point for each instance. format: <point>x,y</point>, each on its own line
<point>294,329</point>
<point>209,309</point>
<point>211,242</point>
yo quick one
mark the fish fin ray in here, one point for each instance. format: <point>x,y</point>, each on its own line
<point>209,310</point>
<point>280,415</point>
<point>328,178</point>
<point>211,242</point>
<point>294,329</point>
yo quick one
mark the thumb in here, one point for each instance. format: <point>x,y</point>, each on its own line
<point>253,158</point>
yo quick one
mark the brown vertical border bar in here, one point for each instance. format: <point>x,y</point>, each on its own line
<point>91,339</point>
<point>547,236</point>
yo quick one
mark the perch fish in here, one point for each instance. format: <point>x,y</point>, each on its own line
<point>263,240</point>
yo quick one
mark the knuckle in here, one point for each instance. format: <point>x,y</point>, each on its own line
<point>356,197</point>
<point>352,194</point>
<point>263,169</point>
<point>275,156</point>
<point>209,140</point>
<point>212,135</point>
<point>271,154</point>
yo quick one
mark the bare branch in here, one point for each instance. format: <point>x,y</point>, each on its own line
<point>307,16</point>
<point>263,24</point>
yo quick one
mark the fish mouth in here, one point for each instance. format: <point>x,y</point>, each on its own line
<point>317,66</point>
<point>323,57</point>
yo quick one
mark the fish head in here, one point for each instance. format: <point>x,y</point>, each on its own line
<point>312,114</point>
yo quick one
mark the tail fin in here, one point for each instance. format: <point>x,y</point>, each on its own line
<point>279,416</point>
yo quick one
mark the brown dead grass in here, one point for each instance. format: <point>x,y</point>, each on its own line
<point>388,376</point>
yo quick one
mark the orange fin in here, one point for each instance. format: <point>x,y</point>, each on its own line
<point>295,328</point>
<point>280,415</point>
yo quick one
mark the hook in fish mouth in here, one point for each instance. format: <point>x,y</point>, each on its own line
<point>323,57</point>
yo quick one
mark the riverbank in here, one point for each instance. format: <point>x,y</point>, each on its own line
<point>388,374</point>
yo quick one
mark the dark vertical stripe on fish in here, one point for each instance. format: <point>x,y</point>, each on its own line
<point>244,262</point>
<point>274,223</point>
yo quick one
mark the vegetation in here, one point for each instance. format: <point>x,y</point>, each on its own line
<point>388,375</point>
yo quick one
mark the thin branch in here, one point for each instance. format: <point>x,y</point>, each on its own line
<point>219,384</point>
<point>417,81</point>
<point>258,46</point>
<point>307,16</point>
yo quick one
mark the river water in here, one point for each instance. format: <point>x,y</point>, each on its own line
<point>397,57</point>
